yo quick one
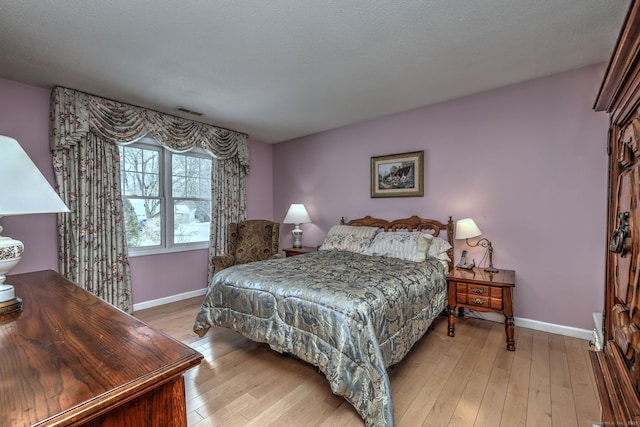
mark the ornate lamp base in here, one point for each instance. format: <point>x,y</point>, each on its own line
<point>11,251</point>
<point>297,236</point>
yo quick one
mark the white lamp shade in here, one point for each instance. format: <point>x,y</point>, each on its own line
<point>467,228</point>
<point>24,189</point>
<point>297,214</point>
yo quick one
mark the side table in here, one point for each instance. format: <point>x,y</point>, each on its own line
<point>299,251</point>
<point>482,291</point>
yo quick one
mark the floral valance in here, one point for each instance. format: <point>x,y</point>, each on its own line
<point>74,114</point>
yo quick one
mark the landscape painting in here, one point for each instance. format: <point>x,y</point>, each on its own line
<point>398,175</point>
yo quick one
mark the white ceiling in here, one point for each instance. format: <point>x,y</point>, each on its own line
<point>281,69</point>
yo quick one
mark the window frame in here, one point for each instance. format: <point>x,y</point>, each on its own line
<point>167,199</point>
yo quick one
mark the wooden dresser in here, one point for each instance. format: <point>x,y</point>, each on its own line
<point>70,359</point>
<point>617,366</point>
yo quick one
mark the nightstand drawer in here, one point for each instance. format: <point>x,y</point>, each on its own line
<point>477,301</point>
<point>479,290</point>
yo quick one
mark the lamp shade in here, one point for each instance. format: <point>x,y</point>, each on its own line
<point>297,214</point>
<point>24,189</point>
<point>467,228</point>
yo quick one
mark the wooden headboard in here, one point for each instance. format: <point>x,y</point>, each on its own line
<point>414,223</point>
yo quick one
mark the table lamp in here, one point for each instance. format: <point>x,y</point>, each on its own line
<point>24,191</point>
<point>466,229</point>
<point>297,215</point>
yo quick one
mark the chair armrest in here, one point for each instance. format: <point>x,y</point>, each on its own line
<point>220,262</point>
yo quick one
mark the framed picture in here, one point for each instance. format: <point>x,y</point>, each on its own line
<point>398,175</point>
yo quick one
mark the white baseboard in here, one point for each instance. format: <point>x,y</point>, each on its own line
<point>169,299</point>
<point>569,331</point>
<point>585,334</point>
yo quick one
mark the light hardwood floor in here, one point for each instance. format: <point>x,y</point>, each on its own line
<point>469,380</point>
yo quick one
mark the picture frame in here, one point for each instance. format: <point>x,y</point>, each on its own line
<point>398,175</point>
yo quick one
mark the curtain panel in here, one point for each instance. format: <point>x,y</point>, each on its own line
<point>84,133</point>
<point>228,205</point>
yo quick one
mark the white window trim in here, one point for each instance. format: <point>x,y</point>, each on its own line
<point>166,201</point>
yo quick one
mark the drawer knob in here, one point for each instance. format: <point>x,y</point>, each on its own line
<point>477,301</point>
<point>478,290</point>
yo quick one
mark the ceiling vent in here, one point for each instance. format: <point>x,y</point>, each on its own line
<point>186,110</point>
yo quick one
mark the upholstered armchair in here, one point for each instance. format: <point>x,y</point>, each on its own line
<point>249,241</point>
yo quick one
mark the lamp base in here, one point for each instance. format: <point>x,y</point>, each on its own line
<point>6,293</point>
<point>11,306</point>
<point>491,269</point>
<point>11,251</point>
<point>297,236</point>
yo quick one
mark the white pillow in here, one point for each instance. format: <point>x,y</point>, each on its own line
<point>410,246</point>
<point>438,249</point>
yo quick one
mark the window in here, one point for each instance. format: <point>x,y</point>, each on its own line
<point>166,197</point>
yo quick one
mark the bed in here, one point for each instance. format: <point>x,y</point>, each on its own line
<point>353,308</point>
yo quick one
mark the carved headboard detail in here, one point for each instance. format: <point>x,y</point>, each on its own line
<point>413,223</point>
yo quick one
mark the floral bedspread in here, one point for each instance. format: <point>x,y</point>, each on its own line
<point>349,314</point>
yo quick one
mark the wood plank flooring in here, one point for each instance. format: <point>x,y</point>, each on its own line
<point>469,380</point>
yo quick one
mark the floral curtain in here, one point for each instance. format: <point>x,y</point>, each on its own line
<point>227,177</point>
<point>85,131</point>
<point>92,251</point>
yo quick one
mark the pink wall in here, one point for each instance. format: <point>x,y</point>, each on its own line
<point>24,115</point>
<point>260,181</point>
<point>527,162</point>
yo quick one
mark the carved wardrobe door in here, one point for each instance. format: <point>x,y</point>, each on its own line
<point>617,366</point>
<point>625,271</point>
<point>623,288</point>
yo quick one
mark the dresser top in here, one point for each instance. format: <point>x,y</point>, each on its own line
<point>69,354</point>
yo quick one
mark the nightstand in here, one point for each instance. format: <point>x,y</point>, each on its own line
<point>481,291</point>
<point>299,251</point>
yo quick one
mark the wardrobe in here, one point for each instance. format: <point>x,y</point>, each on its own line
<point>617,365</point>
